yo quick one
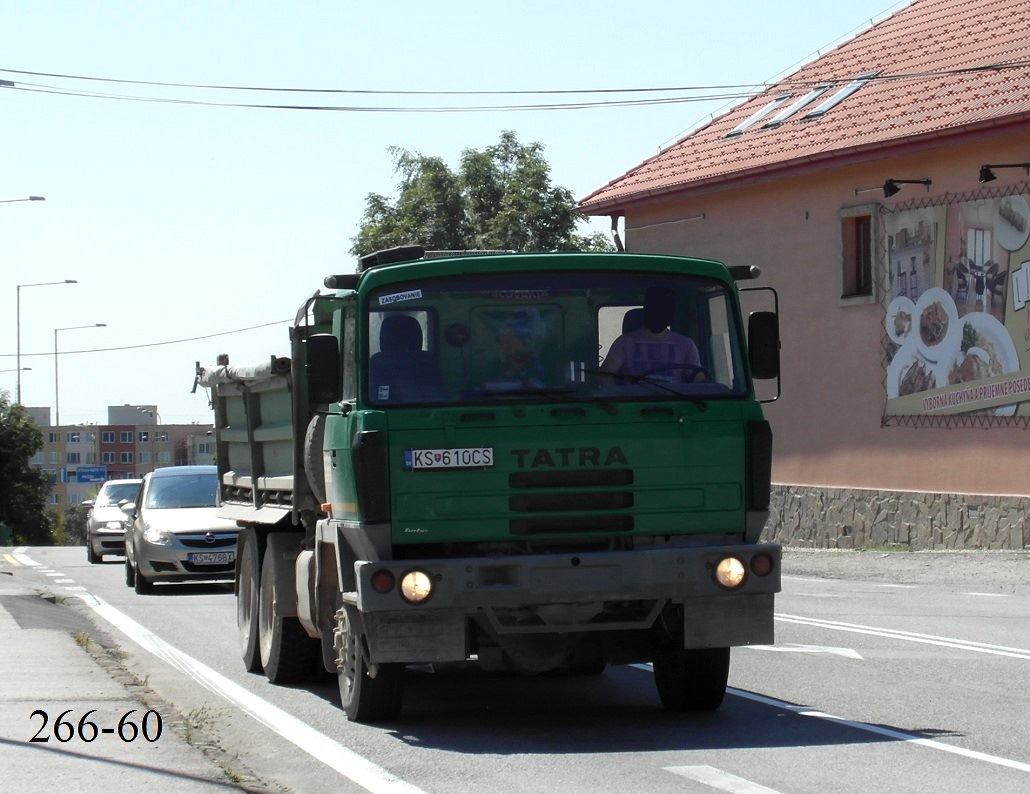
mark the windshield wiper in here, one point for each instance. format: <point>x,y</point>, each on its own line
<point>647,380</point>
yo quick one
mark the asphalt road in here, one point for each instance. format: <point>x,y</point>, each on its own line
<point>899,672</point>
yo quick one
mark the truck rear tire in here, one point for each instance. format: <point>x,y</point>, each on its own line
<point>364,698</point>
<point>288,654</point>
<point>691,679</point>
<point>247,600</point>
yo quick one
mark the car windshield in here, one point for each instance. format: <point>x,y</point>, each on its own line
<point>554,335</point>
<point>189,490</point>
<point>112,494</point>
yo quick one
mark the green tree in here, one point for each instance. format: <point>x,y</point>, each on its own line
<point>501,198</point>
<point>24,493</point>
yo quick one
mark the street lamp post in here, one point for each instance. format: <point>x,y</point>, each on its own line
<point>57,393</point>
<point>18,312</point>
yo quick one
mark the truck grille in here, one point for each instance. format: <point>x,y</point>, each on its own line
<point>545,492</point>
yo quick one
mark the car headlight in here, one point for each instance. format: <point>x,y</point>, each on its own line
<point>157,536</point>
<point>114,525</point>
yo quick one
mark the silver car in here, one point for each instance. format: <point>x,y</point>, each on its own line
<point>174,534</point>
<point>105,523</point>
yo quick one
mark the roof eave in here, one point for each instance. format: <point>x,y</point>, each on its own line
<point>800,165</point>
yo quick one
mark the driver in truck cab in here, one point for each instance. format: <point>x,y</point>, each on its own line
<point>654,349</point>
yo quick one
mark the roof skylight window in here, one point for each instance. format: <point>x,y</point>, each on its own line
<point>794,107</point>
<point>758,115</point>
<point>820,109</point>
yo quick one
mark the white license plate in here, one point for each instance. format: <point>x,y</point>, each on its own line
<point>467,458</point>
<point>211,557</point>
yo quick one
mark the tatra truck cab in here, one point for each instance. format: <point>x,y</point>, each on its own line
<point>507,460</point>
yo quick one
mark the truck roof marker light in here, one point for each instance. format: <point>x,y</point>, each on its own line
<point>730,573</point>
<point>416,586</point>
<point>383,581</point>
<point>761,565</point>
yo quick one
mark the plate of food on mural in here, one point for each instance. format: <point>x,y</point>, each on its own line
<point>985,351</point>
<point>1012,223</point>
<point>910,372</point>
<point>900,317</point>
<point>936,324</point>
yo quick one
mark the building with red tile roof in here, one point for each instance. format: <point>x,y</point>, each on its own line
<point>858,183</point>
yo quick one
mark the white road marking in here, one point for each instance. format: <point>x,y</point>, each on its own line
<point>716,778</point>
<point>881,731</point>
<point>352,766</point>
<point>908,636</point>
<point>987,595</point>
<point>847,653</point>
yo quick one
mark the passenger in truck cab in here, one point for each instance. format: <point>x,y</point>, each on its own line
<point>654,349</point>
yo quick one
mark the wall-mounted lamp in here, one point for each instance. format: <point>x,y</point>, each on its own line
<point>892,186</point>
<point>987,171</point>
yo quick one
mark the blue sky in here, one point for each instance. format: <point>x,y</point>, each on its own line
<point>185,223</point>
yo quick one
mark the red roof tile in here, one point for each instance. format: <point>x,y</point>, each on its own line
<point>934,61</point>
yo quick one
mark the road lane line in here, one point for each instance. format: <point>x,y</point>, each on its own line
<point>879,730</point>
<point>352,766</point>
<point>718,779</point>
<point>908,636</point>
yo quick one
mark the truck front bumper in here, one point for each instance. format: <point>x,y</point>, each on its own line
<point>617,591</point>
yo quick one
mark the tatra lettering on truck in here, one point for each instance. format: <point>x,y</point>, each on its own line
<point>547,462</point>
<point>569,456</point>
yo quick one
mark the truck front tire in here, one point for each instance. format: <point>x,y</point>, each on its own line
<point>691,679</point>
<point>364,698</point>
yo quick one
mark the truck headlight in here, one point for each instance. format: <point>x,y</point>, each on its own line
<point>416,586</point>
<point>730,573</point>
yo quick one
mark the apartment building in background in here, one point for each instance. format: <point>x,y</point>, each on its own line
<point>80,458</point>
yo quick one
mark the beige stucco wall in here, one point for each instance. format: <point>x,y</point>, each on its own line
<point>827,424</point>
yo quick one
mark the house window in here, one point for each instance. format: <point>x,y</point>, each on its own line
<point>51,458</point>
<point>73,437</point>
<point>204,449</point>
<point>857,255</point>
<point>161,435</point>
<point>53,437</point>
<point>91,457</point>
<point>107,437</point>
<point>144,436</point>
<point>164,457</point>
<point>125,436</point>
<point>125,457</point>
<point>74,457</point>
<point>144,457</point>
<point>107,457</point>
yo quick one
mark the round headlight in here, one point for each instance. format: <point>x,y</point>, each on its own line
<point>114,525</point>
<point>730,573</point>
<point>416,586</point>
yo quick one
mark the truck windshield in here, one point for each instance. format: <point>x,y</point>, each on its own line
<point>553,335</point>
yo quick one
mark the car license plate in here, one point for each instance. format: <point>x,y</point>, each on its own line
<point>466,458</point>
<point>211,557</point>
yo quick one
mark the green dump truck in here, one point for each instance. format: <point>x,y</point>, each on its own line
<point>490,459</point>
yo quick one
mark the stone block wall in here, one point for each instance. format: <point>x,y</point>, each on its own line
<point>847,518</point>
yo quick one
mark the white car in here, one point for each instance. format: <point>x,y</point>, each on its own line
<point>174,533</point>
<point>105,523</point>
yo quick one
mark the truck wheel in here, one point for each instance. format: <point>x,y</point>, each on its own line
<point>314,439</point>
<point>364,698</point>
<point>247,599</point>
<point>287,653</point>
<point>691,679</point>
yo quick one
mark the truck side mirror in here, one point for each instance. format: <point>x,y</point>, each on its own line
<point>763,338</point>
<point>323,369</point>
